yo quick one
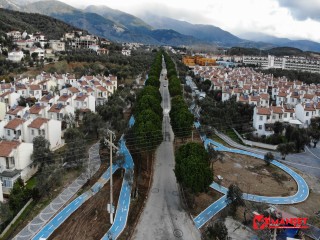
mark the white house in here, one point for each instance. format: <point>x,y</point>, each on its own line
<point>15,56</point>
<point>15,162</point>
<point>50,129</point>
<point>38,110</point>
<point>39,51</point>
<point>48,100</point>
<point>10,99</point>
<point>83,101</point>
<point>58,111</point>
<point>304,113</point>
<point>14,130</point>
<point>16,112</point>
<point>57,45</point>
<point>34,90</point>
<point>261,115</point>
<point>126,52</point>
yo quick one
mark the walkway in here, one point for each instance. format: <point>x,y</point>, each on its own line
<point>300,196</point>
<point>120,220</point>
<point>46,214</point>
<point>123,202</point>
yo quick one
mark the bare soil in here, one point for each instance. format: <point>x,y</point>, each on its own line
<point>253,176</point>
<point>91,216</point>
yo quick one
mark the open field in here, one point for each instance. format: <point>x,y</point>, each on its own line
<point>254,176</point>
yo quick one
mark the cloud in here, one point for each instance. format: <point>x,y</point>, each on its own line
<point>302,9</point>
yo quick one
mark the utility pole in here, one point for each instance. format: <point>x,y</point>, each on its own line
<point>111,146</point>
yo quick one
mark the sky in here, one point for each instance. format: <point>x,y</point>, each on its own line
<point>294,19</point>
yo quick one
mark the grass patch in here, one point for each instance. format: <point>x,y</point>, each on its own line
<point>31,183</point>
<point>231,134</point>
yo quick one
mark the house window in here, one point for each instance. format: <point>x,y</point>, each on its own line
<point>39,132</point>
<point>307,113</point>
<point>273,116</point>
<point>292,100</point>
<point>285,115</point>
<point>43,132</point>
<point>261,118</point>
<point>260,127</point>
<point>7,183</point>
<point>307,122</point>
<point>12,162</point>
<point>10,117</point>
<point>32,132</point>
<point>8,132</point>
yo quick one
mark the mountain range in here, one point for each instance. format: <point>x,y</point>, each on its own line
<point>150,28</point>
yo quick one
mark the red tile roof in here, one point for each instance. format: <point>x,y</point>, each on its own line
<point>277,110</point>
<point>38,122</point>
<point>55,108</point>
<point>81,97</point>
<point>263,111</point>
<point>15,111</point>
<point>35,109</point>
<point>34,87</point>
<point>6,147</point>
<point>14,123</point>
<point>73,90</point>
<point>64,98</point>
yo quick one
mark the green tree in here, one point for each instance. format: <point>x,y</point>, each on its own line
<point>300,138</point>
<point>234,198</point>
<point>218,231</point>
<point>278,128</point>
<point>149,102</point>
<point>268,157</point>
<point>34,56</point>
<point>75,153</point>
<point>91,123</point>
<point>192,167</point>
<point>42,154</point>
<point>19,196</point>
<point>285,148</point>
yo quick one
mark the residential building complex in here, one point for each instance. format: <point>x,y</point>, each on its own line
<point>275,99</point>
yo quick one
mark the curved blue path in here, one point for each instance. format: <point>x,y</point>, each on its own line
<point>120,220</point>
<point>122,207</point>
<point>51,226</point>
<point>300,196</point>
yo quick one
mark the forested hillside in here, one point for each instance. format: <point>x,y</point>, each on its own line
<point>32,22</point>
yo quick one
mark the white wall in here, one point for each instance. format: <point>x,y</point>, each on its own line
<point>3,110</point>
<point>300,113</point>
<point>53,131</point>
<point>22,155</point>
<point>13,98</point>
<point>92,103</point>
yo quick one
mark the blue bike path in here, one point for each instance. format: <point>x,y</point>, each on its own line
<point>300,196</point>
<point>120,220</point>
<point>55,222</point>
